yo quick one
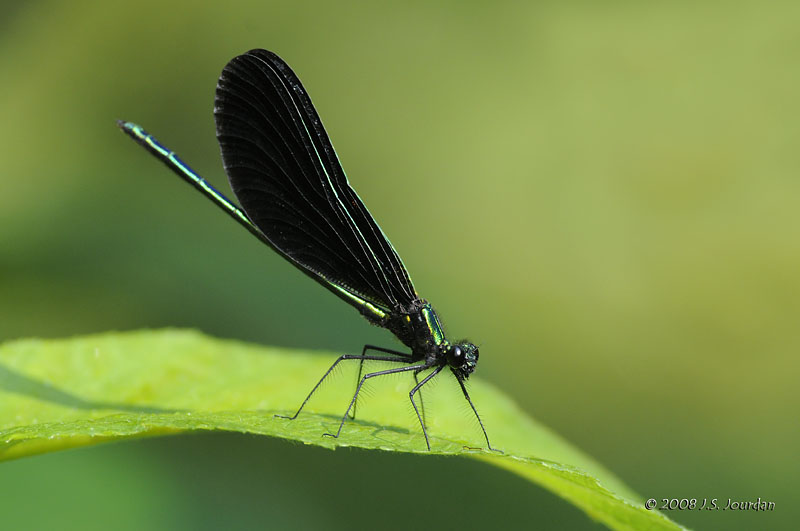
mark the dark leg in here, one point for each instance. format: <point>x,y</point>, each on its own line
<point>364,379</point>
<point>411,396</point>
<point>421,403</point>
<point>384,350</point>
<point>466,395</point>
<point>335,363</point>
<point>361,365</point>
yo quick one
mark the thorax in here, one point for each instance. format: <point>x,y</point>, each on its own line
<point>420,330</point>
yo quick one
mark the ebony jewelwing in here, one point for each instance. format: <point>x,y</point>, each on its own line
<point>295,197</point>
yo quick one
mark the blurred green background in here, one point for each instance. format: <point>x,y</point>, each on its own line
<point>603,196</point>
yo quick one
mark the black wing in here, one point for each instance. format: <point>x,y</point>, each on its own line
<point>287,177</point>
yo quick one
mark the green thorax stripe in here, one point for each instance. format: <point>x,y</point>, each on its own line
<point>432,320</point>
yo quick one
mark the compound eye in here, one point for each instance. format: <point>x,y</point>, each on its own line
<point>458,353</point>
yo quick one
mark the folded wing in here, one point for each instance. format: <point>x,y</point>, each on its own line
<point>286,175</point>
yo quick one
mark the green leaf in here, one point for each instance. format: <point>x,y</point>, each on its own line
<point>57,394</point>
